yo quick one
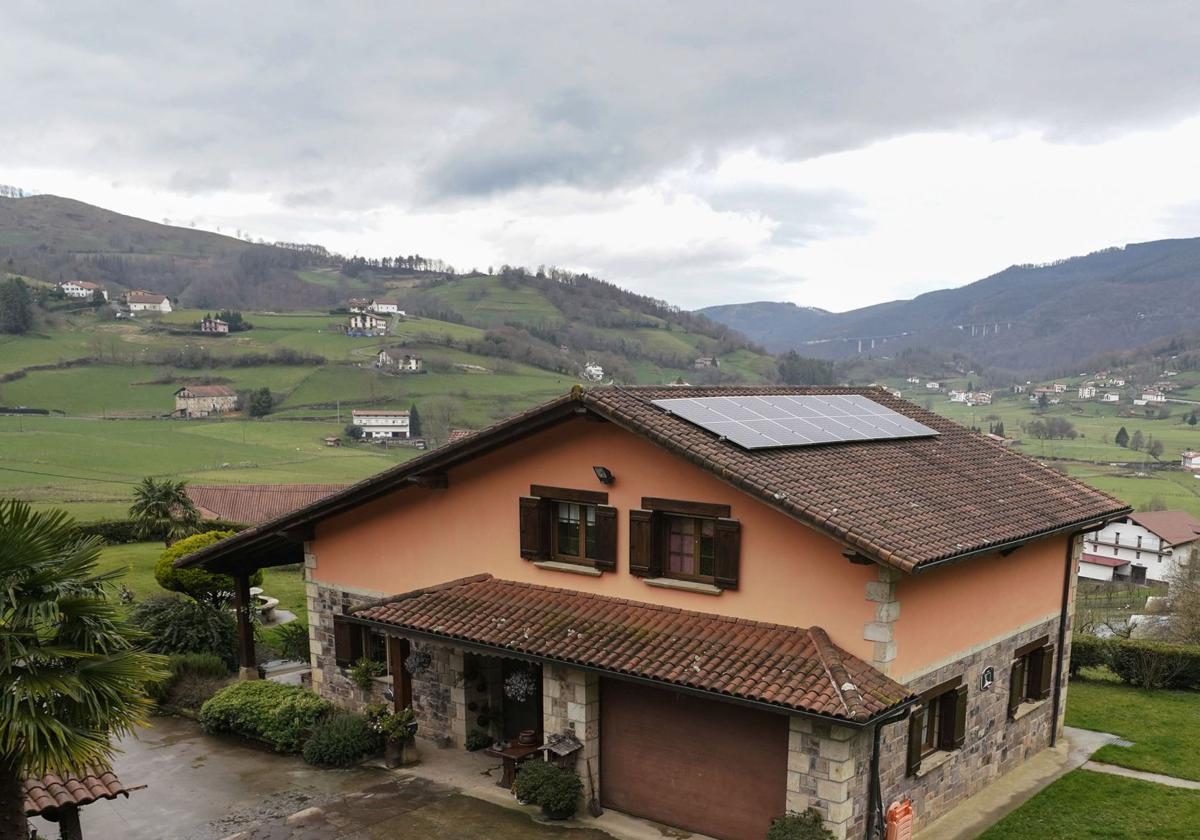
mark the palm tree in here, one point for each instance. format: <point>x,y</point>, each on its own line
<point>71,675</point>
<point>163,508</point>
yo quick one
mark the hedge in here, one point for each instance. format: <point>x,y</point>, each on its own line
<point>1145,663</point>
<point>122,531</point>
<point>282,716</point>
<point>340,741</point>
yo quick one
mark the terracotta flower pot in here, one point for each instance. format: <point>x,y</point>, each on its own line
<point>399,753</point>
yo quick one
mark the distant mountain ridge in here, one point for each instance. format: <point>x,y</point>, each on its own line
<point>1027,318</point>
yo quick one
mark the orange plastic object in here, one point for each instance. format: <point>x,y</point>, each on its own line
<point>900,821</point>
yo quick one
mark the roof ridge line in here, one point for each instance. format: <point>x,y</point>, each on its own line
<point>839,677</point>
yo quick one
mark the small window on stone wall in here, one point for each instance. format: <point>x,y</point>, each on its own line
<point>938,723</point>
<point>1031,674</point>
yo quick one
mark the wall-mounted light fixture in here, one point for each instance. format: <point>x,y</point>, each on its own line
<point>604,474</point>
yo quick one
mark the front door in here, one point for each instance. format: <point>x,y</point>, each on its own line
<point>527,713</point>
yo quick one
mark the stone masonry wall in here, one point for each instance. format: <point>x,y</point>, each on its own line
<point>571,703</point>
<point>994,743</point>
<point>828,767</point>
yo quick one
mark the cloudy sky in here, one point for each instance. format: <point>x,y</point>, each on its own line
<point>831,154</point>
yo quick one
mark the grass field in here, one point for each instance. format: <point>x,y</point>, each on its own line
<point>1163,725</point>
<point>1096,806</point>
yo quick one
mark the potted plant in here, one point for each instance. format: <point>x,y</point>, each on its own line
<point>363,672</point>
<point>559,794</point>
<point>398,731</point>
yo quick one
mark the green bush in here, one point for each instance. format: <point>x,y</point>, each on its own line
<point>192,691</point>
<point>277,714</point>
<point>1150,664</point>
<point>530,777</point>
<point>203,585</point>
<point>291,640</point>
<point>1090,652</point>
<point>202,669</point>
<point>122,531</point>
<point>363,672</point>
<point>340,741</point>
<point>477,740</point>
<point>799,826</point>
<point>178,625</point>
<point>559,793</point>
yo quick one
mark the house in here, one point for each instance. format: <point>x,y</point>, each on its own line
<point>979,398</point>
<point>933,386</point>
<point>147,302</point>
<point>1101,567</point>
<point>768,627</point>
<point>1020,389</point>
<point>592,372</point>
<point>1110,397</point>
<point>358,304</point>
<point>204,400</point>
<point>1154,543</point>
<point>250,504</point>
<point>1059,388</point>
<point>405,362</point>
<point>364,323</point>
<point>213,325</point>
<point>1087,392</point>
<point>458,434</point>
<point>378,425</point>
<point>333,441</point>
<point>913,380</point>
<point>1191,461</point>
<point>706,362</point>
<point>958,396</point>
<point>385,307</point>
<point>1117,383</point>
<point>82,289</point>
<point>1153,395</point>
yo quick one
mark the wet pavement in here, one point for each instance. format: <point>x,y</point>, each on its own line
<point>200,787</point>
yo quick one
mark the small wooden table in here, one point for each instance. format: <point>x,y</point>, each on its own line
<point>511,756</point>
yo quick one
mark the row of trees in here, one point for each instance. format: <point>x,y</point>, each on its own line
<point>1138,441</point>
<point>16,307</point>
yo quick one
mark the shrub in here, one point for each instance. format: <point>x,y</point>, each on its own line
<point>201,584</point>
<point>292,640</point>
<point>799,826</point>
<point>122,531</point>
<point>277,714</point>
<point>1150,664</point>
<point>340,740</point>
<point>530,777</point>
<point>559,793</point>
<point>1090,652</point>
<point>363,672</point>
<point>390,725</point>
<point>477,740</point>
<point>176,625</point>
<point>189,675</point>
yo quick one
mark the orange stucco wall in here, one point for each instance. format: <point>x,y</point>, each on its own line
<point>948,610</point>
<point>416,537</point>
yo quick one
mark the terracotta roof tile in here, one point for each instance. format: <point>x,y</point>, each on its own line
<point>1175,526</point>
<point>48,793</point>
<point>1101,560</point>
<point>250,504</point>
<point>790,667</point>
<point>209,390</point>
<point>907,502</point>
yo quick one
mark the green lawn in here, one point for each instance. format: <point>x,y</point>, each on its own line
<point>1163,725</point>
<point>1096,806</point>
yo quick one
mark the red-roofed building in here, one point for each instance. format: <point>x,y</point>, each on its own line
<point>730,630</point>
<point>250,504</point>
<point>204,400</point>
<point>1154,544</point>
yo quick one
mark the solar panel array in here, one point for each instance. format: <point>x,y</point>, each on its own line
<point>761,422</point>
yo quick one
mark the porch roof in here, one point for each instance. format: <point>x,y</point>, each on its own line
<point>47,794</point>
<point>790,668</point>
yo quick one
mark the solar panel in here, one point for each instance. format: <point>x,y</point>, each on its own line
<point>775,420</point>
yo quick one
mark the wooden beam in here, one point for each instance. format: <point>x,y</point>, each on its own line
<point>245,627</point>
<point>398,650</point>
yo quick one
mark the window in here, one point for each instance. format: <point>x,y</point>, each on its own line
<point>1031,674</point>
<point>691,548</point>
<point>688,541</point>
<point>938,723</point>
<point>574,532</point>
<point>568,526</point>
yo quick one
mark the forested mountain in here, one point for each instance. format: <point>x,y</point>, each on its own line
<point>1027,318</point>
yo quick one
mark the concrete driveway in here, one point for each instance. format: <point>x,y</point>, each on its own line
<point>200,787</point>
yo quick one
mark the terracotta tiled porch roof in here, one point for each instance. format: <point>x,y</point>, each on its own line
<point>52,791</point>
<point>789,667</point>
<point>250,504</point>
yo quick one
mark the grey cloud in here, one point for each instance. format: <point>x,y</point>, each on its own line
<point>801,216</point>
<point>197,182</point>
<point>400,103</point>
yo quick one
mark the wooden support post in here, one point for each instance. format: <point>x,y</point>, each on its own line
<point>68,823</point>
<point>244,604</point>
<point>398,650</point>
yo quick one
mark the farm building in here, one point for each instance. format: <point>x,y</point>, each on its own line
<point>204,400</point>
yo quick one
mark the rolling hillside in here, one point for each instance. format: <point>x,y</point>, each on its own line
<point>1026,319</point>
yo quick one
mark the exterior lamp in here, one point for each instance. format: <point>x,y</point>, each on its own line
<point>604,474</point>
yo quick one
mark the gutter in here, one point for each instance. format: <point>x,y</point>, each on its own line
<point>498,650</point>
<point>1059,653</point>
<point>875,818</point>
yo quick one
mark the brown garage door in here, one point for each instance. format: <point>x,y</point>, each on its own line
<point>708,766</point>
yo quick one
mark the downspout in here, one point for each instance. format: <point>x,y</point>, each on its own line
<point>1059,653</point>
<point>875,826</point>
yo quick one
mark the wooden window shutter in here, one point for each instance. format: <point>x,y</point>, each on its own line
<point>1046,677</point>
<point>644,559</point>
<point>958,733</point>
<point>347,642</point>
<point>916,739</point>
<point>728,546</point>
<point>1016,686</point>
<point>606,538</point>
<point>535,528</point>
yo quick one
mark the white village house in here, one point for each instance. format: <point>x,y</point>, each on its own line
<point>147,302</point>
<point>1087,392</point>
<point>385,307</point>
<point>593,372</point>
<point>406,362</point>
<point>1153,395</point>
<point>377,425</point>
<point>1191,461</point>
<point>366,323</point>
<point>1110,397</point>
<point>1142,547</point>
<point>82,289</point>
<point>213,325</point>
